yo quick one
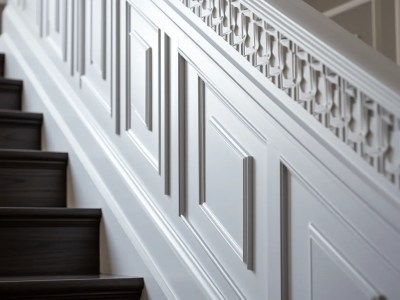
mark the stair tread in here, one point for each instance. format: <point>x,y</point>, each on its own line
<point>7,213</point>
<point>19,115</point>
<point>7,82</point>
<point>22,284</point>
<point>6,154</point>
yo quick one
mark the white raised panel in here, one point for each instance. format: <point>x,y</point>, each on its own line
<point>332,275</point>
<point>224,171</point>
<point>98,36</point>
<point>325,257</point>
<point>141,82</point>
<point>56,14</point>
<point>143,86</point>
<point>96,61</point>
<point>224,184</point>
<point>33,11</point>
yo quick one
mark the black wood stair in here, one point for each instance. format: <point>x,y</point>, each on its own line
<point>32,178</point>
<point>20,130</point>
<point>47,251</point>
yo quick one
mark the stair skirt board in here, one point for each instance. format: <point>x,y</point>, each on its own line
<point>47,251</point>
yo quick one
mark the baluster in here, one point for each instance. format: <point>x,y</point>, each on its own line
<point>205,9</point>
<point>250,32</point>
<point>355,125</point>
<point>238,34</point>
<point>216,15</point>
<point>391,152</point>
<point>274,63</point>
<point>288,78</point>
<point>226,26</point>
<point>336,117</point>
<point>372,144</point>
<point>262,55</point>
<point>304,78</point>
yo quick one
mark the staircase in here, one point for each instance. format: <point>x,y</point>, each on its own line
<point>47,251</point>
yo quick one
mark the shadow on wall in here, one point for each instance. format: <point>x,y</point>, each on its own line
<point>2,6</point>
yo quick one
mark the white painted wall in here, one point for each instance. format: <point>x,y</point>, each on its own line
<point>235,152</point>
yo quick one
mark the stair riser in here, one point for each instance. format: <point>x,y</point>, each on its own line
<point>10,99</point>
<point>32,184</point>
<point>2,65</point>
<point>48,247</point>
<point>67,296</point>
<point>14,135</point>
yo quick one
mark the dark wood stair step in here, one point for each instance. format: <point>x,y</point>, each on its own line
<point>10,94</point>
<point>20,130</point>
<point>2,64</point>
<point>100,287</point>
<point>32,178</point>
<point>49,241</point>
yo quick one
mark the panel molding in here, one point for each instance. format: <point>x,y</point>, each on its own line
<point>182,133</point>
<point>132,35</point>
<point>167,113</point>
<point>316,236</point>
<point>248,212</point>
<point>147,120</point>
<point>284,231</point>
<point>246,254</point>
<point>202,139</point>
<point>222,98</point>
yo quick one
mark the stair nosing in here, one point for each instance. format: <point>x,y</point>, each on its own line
<point>7,83</point>
<point>88,283</point>
<point>8,114</point>
<point>52,213</point>
<point>32,155</point>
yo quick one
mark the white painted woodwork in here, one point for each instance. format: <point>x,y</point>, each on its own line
<point>240,149</point>
<point>143,90</point>
<point>97,22</point>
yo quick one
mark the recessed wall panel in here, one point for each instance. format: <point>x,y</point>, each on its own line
<point>143,86</point>
<point>225,167</point>
<point>326,257</point>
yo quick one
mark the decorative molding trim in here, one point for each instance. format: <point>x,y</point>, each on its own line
<point>148,78</point>
<point>246,253</point>
<point>64,34</point>
<point>81,7</point>
<point>284,224</point>
<point>104,39</point>
<point>182,133</point>
<point>115,65</point>
<point>167,114</point>
<point>202,140</point>
<point>215,260</point>
<point>248,212</point>
<point>318,239</point>
<point>149,87</point>
<point>363,123</point>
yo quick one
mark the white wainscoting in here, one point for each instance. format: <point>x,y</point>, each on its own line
<point>238,162</point>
